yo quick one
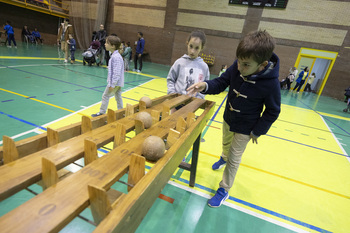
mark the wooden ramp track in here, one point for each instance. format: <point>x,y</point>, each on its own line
<point>55,207</point>
<point>23,172</point>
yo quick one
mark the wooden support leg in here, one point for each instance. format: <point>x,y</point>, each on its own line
<point>193,166</point>
<point>136,169</point>
<point>10,150</point>
<point>181,125</point>
<point>142,105</point>
<point>155,116</point>
<point>111,117</point>
<point>129,110</point>
<point>139,127</point>
<point>99,203</point>
<point>49,173</point>
<point>119,136</point>
<point>86,124</point>
<point>52,137</point>
<point>90,149</point>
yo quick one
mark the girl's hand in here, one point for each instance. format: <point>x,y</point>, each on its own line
<point>111,88</point>
<point>195,88</point>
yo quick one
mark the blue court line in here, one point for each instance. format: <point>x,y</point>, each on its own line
<point>325,117</point>
<point>262,209</point>
<point>23,121</point>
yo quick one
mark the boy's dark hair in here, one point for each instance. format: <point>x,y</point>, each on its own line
<point>114,41</point>
<point>8,22</point>
<point>128,43</point>
<point>258,45</point>
<point>66,19</point>
<point>141,34</point>
<point>198,34</point>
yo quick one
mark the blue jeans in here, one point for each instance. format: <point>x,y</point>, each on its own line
<point>11,37</point>
<point>72,57</point>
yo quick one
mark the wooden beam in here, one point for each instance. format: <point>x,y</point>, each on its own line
<point>111,117</point>
<point>129,110</point>
<point>142,105</point>
<point>173,136</point>
<point>155,116</point>
<point>191,117</point>
<point>181,125</point>
<point>139,126</point>
<point>119,136</point>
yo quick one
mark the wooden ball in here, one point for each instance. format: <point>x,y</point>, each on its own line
<point>153,148</point>
<point>147,100</point>
<point>146,118</point>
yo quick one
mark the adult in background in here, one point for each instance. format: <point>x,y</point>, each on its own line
<point>140,46</point>
<point>101,37</point>
<point>64,31</point>
<point>10,34</point>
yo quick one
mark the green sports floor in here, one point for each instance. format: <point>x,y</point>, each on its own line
<point>296,179</point>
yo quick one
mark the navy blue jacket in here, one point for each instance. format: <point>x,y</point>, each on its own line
<point>247,97</point>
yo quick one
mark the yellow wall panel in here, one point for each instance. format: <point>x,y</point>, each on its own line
<point>210,22</point>
<point>305,33</point>
<point>139,16</point>
<point>317,11</point>
<point>160,3</point>
<point>88,11</point>
<point>221,6</point>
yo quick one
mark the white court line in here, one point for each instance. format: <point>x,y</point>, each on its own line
<point>233,206</point>
<point>29,65</point>
<point>344,152</point>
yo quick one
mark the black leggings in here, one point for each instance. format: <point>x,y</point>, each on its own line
<point>299,85</point>
<point>140,61</point>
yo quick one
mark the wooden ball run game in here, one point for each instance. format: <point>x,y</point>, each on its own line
<point>42,157</point>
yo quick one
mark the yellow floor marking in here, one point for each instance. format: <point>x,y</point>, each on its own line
<point>39,101</point>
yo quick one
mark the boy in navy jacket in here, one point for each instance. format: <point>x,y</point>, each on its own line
<point>253,83</point>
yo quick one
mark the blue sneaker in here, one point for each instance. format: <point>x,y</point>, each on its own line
<point>220,196</point>
<point>219,164</point>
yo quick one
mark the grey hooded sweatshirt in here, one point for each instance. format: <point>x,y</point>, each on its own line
<point>186,72</point>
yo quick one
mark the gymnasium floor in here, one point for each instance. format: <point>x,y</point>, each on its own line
<point>297,179</point>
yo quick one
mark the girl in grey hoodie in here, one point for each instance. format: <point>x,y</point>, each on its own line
<point>190,68</point>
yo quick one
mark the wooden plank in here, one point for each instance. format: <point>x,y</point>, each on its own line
<point>99,203</point>
<point>129,110</point>
<point>39,142</point>
<point>142,105</point>
<point>127,215</point>
<point>10,150</point>
<point>181,125</point>
<point>173,136</point>
<point>86,124</point>
<point>59,204</point>
<point>136,169</point>
<point>166,111</point>
<point>111,117</point>
<point>52,137</point>
<point>119,136</point>
<point>49,173</point>
<point>139,126</point>
<point>155,116</point>
<point>90,151</point>
<point>27,170</point>
<point>191,117</point>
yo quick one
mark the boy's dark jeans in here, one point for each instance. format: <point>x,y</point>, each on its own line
<point>72,57</point>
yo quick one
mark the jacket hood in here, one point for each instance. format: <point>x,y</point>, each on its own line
<point>271,71</point>
<point>188,57</point>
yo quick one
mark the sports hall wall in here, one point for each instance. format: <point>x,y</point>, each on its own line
<point>321,24</point>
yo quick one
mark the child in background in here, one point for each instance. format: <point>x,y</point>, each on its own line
<point>37,36</point>
<point>309,82</point>
<point>223,69</point>
<point>190,68</point>
<point>10,34</point>
<point>301,79</point>
<point>115,79</point>
<point>252,105</point>
<point>126,56</point>
<point>72,48</point>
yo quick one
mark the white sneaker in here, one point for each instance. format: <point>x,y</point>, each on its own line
<point>9,46</point>
<point>138,71</point>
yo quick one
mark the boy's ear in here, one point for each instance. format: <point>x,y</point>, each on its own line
<point>265,63</point>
